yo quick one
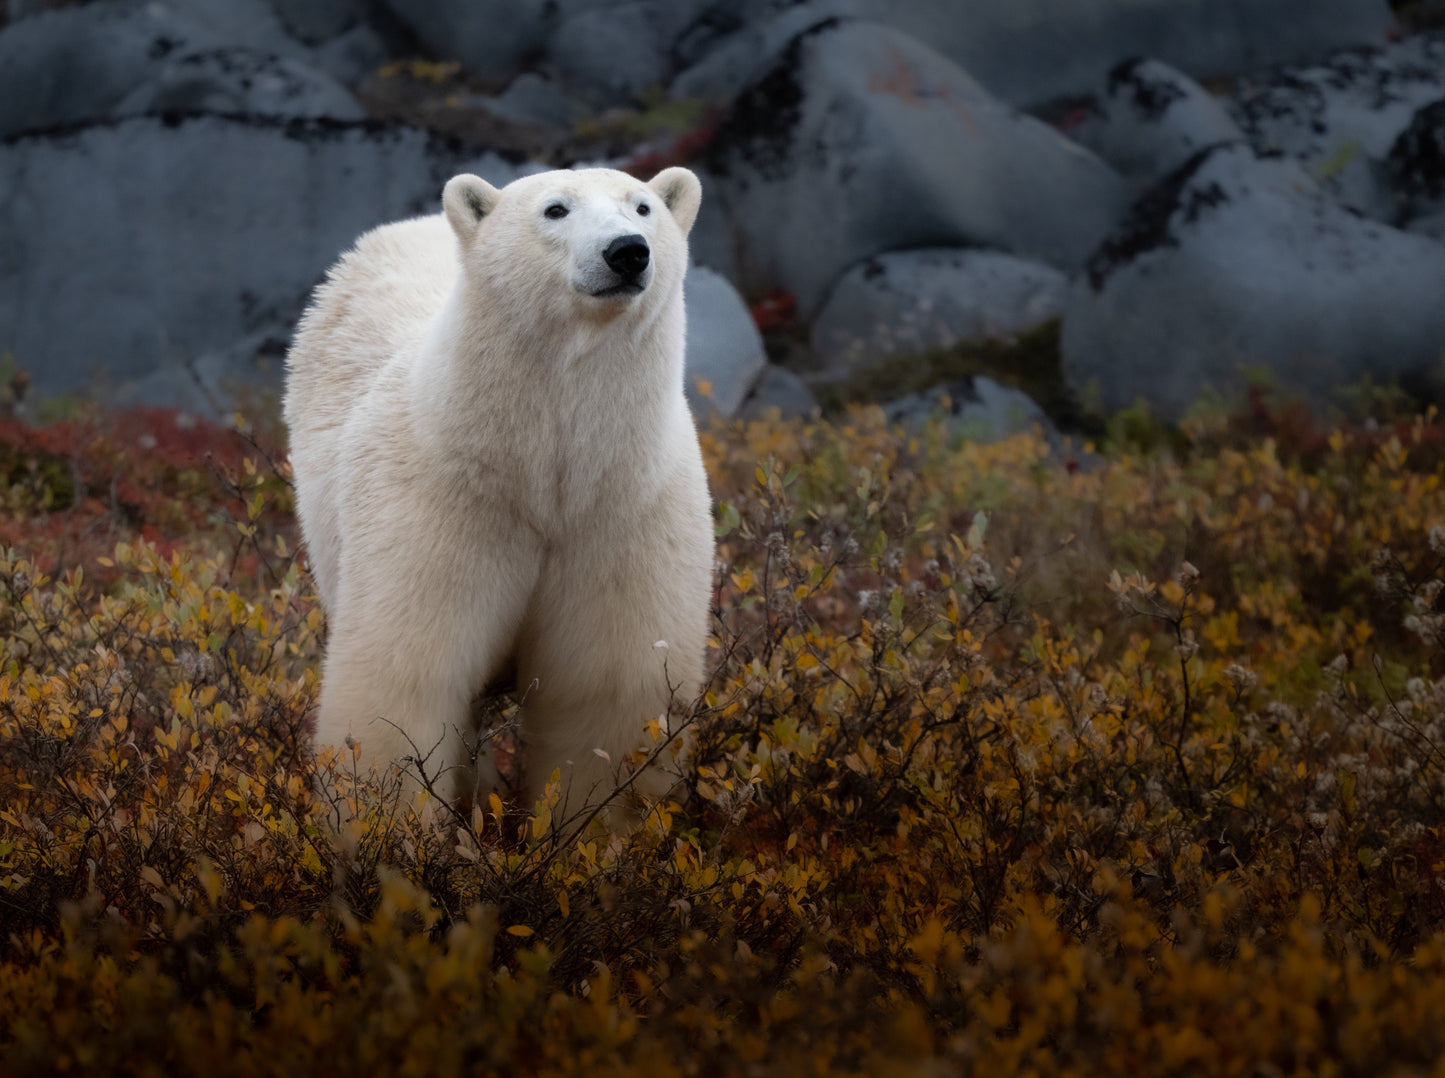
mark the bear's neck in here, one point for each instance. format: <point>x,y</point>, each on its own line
<point>479,351</point>
<point>582,397</point>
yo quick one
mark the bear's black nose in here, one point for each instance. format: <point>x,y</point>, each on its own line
<point>627,255</point>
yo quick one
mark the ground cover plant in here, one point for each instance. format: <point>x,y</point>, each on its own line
<point>1015,760</point>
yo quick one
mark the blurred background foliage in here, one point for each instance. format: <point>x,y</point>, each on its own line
<point>1012,761</point>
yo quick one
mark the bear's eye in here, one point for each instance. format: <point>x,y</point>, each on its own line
<point>556,211</point>
<point>643,209</point>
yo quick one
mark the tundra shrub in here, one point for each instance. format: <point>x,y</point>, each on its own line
<point>1011,761</point>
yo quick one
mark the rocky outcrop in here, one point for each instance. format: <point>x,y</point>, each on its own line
<point>176,174</point>
<point>145,244</point>
<point>1148,118</point>
<point>906,302</point>
<point>724,349</point>
<point>1237,267</point>
<point>1028,52</point>
<point>1339,117</point>
<point>861,140</point>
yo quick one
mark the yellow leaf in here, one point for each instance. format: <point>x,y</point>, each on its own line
<point>519,930</point>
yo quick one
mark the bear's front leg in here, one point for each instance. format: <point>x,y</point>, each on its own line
<point>399,707</point>
<point>615,637</point>
<point>411,645</point>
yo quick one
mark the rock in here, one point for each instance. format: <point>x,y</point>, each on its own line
<point>1339,118</point>
<point>352,56</point>
<point>1028,52</point>
<point>493,39</point>
<point>905,302</point>
<point>1431,225</point>
<point>216,383</point>
<point>781,394</point>
<point>146,244</point>
<point>976,409</point>
<point>76,64</point>
<point>1415,164</point>
<point>724,55</point>
<point>1234,265</point>
<point>315,22</point>
<point>238,81</point>
<point>251,24</point>
<point>15,10</point>
<point>611,54</point>
<point>532,99</point>
<point>1149,118</point>
<point>100,61</point>
<point>860,140</point>
<point>724,348</point>
<point>712,240</point>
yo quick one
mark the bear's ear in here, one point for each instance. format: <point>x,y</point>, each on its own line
<point>681,192</point>
<point>466,199</point>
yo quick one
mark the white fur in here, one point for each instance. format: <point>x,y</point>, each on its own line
<point>497,474</point>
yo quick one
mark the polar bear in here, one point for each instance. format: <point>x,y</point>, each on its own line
<point>498,477</point>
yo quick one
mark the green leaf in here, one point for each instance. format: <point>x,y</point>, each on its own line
<point>977,530</point>
<point>895,604</point>
<point>728,522</point>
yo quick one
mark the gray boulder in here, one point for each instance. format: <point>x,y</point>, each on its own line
<point>1235,266</point>
<point>713,240</point>
<point>215,383</point>
<point>905,302</point>
<point>239,81</point>
<point>147,244</point>
<point>611,53</point>
<point>1416,163</point>
<point>315,22</point>
<point>1149,118</point>
<point>976,409</point>
<point>779,393</point>
<point>76,64</point>
<point>1031,51</point>
<point>723,56</point>
<point>724,348</point>
<point>1430,224</point>
<point>1339,118</point>
<point>350,57</point>
<point>532,99</point>
<point>493,39</point>
<point>100,61</point>
<point>251,24</point>
<point>861,140</point>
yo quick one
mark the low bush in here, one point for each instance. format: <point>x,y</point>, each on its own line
<point>1012,761</point>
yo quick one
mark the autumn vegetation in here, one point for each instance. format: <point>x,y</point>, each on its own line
<point>1016,759</point>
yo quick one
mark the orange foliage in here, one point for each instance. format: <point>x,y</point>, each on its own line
<point>1005,767</point>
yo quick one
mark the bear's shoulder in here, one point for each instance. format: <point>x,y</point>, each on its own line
<point>424,245</point>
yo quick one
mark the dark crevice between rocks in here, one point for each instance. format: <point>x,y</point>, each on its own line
<point>759,127</point>
<point>1416,162</point>
<point>1146,226</point>
<point>1029,362</point>
<point>1151,98</point>
<point>311,129</point>
<point>1418,15</point>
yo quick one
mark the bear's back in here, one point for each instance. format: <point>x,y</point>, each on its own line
<point>375,304</point>
<point>376,300</point>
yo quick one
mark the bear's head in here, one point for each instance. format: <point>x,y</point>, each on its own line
<point>595,239</point>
